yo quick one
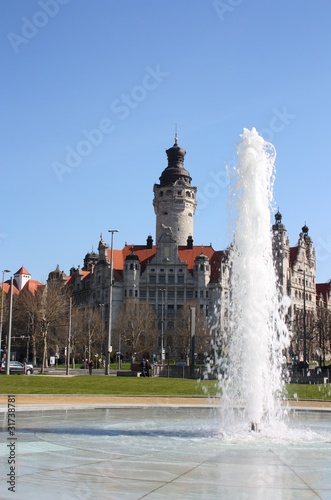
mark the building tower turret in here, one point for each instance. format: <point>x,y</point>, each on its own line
<point>281,251</point>
<point>174,198</point>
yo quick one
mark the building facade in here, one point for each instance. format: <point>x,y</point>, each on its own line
<point>172,271</point>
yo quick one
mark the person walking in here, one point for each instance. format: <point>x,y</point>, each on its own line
<point>90,366</point>
<point>143,367</point>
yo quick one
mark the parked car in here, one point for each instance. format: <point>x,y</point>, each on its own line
<point>29,367</point>
<point>15,367</point>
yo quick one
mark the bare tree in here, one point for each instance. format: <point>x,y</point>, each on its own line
<point>25,319</point>
<point>182,343</point>
<point>86,329</point>
<point>47,311</point>
<point>135,328</point>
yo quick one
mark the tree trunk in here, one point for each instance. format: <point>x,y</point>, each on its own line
<point>44,356</point>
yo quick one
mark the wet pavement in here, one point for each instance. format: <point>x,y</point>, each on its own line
<point>156,452</point>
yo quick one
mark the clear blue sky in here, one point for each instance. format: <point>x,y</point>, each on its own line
<point>131,70</point>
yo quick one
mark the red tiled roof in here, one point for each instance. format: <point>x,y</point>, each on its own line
<point>187,255</point>
<point>143,253</point>
<point>32,286</point>
<point>6,288</point>
<point>22,270</point>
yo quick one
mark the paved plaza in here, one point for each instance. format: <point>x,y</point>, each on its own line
<point>112,451</point>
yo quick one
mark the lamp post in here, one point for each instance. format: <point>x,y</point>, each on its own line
<point>304,320</point>
<point>8,356</point>
<point>162,290</point>
<point>69,337</point>
<point>112,231</point>
<point>1,319</point>
<point>101,328</point>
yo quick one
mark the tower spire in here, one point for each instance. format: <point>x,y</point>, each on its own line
<point>176,135</point>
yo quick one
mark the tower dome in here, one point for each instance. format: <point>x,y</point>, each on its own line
<point>175,170</point>
<point>132,256</point>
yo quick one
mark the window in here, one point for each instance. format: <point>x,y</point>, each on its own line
<point>152,278</point>
<point>152,294</point>
<point>171,279</point>
<point>130,293</point>
<point>162,278</point>
<point>171,294</point>
<point>171,309</point>
<point>189,294</point>
<point>180,294</point>
<point>180,279</point>
<point>143,294</point>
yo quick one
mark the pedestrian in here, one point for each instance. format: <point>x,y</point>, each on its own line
<point>143,367</point>
<point>90,366</point>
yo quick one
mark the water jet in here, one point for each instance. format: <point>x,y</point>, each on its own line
<point>254,340</point>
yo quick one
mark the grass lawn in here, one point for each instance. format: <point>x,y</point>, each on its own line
<point>85,384</point>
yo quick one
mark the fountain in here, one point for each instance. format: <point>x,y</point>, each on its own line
<point>252,354</point>
<point>111,451</point>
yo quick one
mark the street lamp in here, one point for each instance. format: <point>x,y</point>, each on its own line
<point>8,356</point>
<point>112,231</point>
<point>69,337</point>
<point>1,319</point>
<point>304,320</point>
<point>162,290</point>
<point>101,328</point>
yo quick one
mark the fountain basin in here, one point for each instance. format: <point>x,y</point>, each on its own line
<point>166,452</point>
